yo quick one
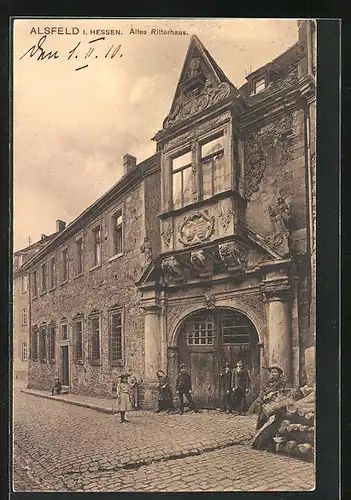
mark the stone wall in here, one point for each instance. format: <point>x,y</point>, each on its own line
<point>98,289</point>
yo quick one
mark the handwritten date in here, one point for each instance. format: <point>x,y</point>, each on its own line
<point>93,49</point>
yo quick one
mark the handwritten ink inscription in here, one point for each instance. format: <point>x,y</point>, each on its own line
<point>82,51</point>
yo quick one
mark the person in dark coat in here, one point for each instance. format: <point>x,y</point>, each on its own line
<point>226,385</point>
<point>268,393</point>
<point>56,390</point>
<point>240,385</point>
<point>164,397</point>
<point>183,388</point>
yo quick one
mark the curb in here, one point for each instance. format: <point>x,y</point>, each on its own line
<point>91,406</point>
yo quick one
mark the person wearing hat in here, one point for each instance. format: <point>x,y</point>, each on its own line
<point>226,385</point>
<point>240,384</point>
<point>269,392</point>
<point>164,397</point>
<point>183,388</point>
<point>123,403</point>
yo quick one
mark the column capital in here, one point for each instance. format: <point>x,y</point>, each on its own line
<point>151,308</point>
<point>277,289</point>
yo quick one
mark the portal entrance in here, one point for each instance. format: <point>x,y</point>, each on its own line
<point>207,340</point>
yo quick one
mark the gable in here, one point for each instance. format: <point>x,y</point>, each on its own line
<point>201,85</point>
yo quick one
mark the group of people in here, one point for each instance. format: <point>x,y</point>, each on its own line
<point>235,385</point>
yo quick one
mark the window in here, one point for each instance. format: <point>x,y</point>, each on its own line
<point>236,328</point>
<point>42,344</point>
<point>51,342</point>
<point>43,278</point>
<point>115,337</point>
<point>52,272</point>
<point>97,246</point>
<point>64,331</point>
<point>25,283</point>
<point>212,167</point>
<point>182,180</point>
<point>34,284</point>
<point>79,256</point>
<point>259,85</point>
<point>24,351</point>
<point>24,317</point>
<point>117,233</point>
<point>78,340</point>
<point>94,339</point>
<point>34,344</point>
<point>200,330</point>
<point>65,265</point>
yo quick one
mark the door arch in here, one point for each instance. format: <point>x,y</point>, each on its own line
<point>209,338</point>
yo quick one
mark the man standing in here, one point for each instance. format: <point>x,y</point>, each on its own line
<point>226,382</point>
<point>240,384</point>
<point>183,388</point>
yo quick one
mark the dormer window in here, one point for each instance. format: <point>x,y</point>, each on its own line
<point>259,85</point>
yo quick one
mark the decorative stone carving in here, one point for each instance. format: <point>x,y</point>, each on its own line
<point>146,249</point>
<point>210,300</point>
<point>225,213</point>
<point>192,102</point>
<point>195,132</point>
<point>280,216</point>
<point>277,139</point>
<point>233,255</point>
<point>172,268</point>
<point>201,262</point>
<point>196,228</point>
<point>166,233</point>
<point>255,164</point>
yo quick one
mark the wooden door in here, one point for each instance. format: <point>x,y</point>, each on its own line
<point>64,365</point>
<point>203,377</point>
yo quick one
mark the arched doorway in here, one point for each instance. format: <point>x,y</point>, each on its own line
<point>207,339</point>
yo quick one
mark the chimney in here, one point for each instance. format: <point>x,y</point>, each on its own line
<point>129,162</point>
<point>60,225</point>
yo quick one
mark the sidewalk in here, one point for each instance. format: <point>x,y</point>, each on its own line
<point>103,405</point>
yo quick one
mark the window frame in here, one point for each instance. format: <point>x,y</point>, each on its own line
<point>181,169</point>
<point>24,279</point>
<point>51,342</point>
<point>64,276</point>
<point>24,317</point>
<point>94,230</point>
<point>113,229</point>
<point>42,341</point>
<point>34,284</point>
<point>24,349</point>
<point>203,142</point>
<point>34,335</point>
<point>52,273</point>
<point>79,255</point>
<point>64,323</point>
<point>43,278</point>
<point>112,312</point>
<point>95,360</point>
<point>256,81</point>
<point>78,319</point>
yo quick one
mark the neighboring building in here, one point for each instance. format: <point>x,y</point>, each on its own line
<point>21,303</point>
<point>200,254</point>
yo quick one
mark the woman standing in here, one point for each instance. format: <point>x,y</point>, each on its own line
<point>269,392</point>
<point>123,403</point>
<point>164,397</point>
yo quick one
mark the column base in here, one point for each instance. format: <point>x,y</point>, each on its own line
<point>150,392</point>
<point>310,365</point>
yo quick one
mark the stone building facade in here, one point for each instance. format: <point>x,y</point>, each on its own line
<point>218,260</point>
<point>20,337</point>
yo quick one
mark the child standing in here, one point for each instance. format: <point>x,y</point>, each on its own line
<point>123,403</point>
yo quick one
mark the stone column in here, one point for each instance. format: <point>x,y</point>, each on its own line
<point>279,327</point>
<point>152,353</point>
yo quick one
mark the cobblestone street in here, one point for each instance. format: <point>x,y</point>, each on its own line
<point>61,447</point>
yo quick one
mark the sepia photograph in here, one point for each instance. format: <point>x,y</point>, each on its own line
<point>164,255</point>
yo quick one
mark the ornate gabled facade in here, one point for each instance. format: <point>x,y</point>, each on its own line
<point>233,278</point>
<point>218,236</point>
